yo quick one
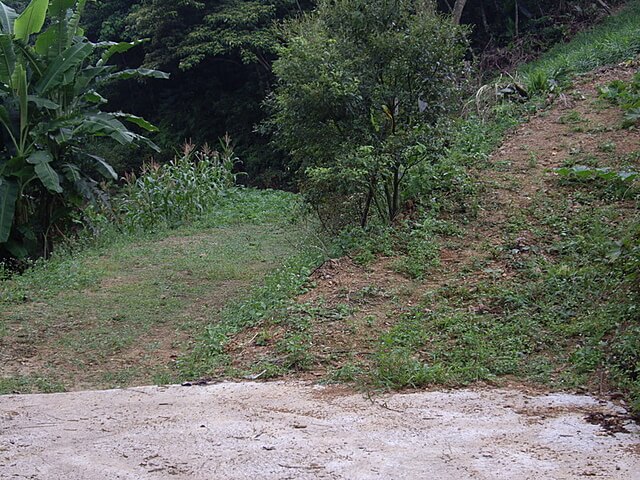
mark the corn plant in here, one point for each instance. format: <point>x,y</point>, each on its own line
<point>180,191</point>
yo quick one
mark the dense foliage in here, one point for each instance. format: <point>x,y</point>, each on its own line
<point>362,96</point>
<point>220,53</point>
<point>49,108</point>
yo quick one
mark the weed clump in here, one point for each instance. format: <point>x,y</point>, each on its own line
<point>627,96</point>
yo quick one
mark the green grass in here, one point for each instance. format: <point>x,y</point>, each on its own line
<point>77,265</point>
<point>103,313</point>
<point>30,384</point>
<point>269,303</point>
<point>569,315</point>
<point>615,40</point>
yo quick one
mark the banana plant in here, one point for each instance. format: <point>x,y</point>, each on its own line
<point>50,105</point>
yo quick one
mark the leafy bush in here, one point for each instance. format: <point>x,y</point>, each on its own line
<point>581,172</point>
<point>398,368</point>
<point>182,190</point>
<point>363,93</point>
<point>607,181</point>
<point>363,244</point>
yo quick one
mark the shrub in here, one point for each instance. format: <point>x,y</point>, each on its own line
<point>363,92</point>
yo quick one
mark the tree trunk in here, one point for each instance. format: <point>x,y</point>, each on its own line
<point>367,207</point>
<point>395,200</point>
<point>458,7</point>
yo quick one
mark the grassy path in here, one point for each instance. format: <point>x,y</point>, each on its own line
<point>124,315</point>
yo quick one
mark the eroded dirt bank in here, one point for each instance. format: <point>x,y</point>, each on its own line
<point>297,431</point>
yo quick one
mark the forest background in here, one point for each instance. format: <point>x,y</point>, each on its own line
<point>220,56</point>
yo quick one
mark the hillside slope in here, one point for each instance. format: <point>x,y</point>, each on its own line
<point>527,289</point>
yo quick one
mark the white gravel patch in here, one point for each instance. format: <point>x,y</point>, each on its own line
<point>301,431</point>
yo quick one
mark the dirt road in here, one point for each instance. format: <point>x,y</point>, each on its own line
<point>301,431</point>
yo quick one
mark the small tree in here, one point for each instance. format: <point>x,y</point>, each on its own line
<point>363,89</point>
<point>49,108</point>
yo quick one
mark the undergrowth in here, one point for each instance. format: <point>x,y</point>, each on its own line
<point>449,196</point>
<point>568,317</point>
<point>627,96</point>
<point>615,40</point>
